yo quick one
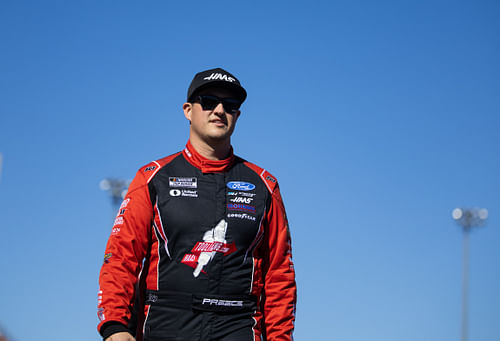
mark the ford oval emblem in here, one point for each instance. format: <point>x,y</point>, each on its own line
<point>240,185</point>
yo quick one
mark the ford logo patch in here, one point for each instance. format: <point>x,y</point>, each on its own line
<point>240,185</point>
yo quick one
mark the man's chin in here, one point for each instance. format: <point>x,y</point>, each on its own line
<point>218,138</point>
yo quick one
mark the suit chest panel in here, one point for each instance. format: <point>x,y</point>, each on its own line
<point>191,203</point>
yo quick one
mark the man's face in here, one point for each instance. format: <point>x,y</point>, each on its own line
<point>211,126</point>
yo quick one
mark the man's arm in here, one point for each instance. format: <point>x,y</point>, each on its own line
<point>125,251</point>
<point>121,336</point>
<point>279,274</point>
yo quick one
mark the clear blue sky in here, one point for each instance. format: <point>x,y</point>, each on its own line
<point>377,117</point>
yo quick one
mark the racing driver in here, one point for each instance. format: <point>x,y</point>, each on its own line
<point>200,248</point>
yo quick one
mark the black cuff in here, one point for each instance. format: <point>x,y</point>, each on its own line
<point>112,327</point>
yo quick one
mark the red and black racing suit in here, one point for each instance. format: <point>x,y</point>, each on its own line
<point>200,250</point>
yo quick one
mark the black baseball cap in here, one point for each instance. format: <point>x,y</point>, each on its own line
<point>216,77</point>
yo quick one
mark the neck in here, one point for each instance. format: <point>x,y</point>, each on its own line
<point>211,151</point>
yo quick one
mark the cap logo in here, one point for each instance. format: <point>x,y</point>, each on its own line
<point>216,76</point>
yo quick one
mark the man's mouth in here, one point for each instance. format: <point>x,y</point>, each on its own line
<point>218,122</point>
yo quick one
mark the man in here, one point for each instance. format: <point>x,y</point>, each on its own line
<point>200,248</point>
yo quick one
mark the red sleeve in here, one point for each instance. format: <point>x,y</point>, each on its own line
<point>125,251</point>
<point>279,274</point>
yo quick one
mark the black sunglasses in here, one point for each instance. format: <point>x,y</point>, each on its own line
<point>209,102</point>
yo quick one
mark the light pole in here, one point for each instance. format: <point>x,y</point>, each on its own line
<point>117,188</point>
<point>1,164</point>
<point>468,218</point>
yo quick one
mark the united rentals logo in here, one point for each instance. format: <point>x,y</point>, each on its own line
<point>183,193</point>
<point>219,76</point>
<point>203,252</point>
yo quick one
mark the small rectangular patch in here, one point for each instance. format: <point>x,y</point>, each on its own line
<point>183,182</point>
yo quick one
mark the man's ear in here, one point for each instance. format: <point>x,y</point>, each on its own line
<point>187,108</point>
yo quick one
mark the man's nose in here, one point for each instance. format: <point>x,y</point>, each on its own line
<point>219,109</point>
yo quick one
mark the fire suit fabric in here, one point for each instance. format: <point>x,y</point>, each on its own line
<point>199,250</point>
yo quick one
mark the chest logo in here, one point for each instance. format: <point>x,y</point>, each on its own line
<point>241,207</point>
<point>241,200</point>
<point>240,185</point>
<point>214,240</point>
<point>183,182</point>
<point>183,193</point>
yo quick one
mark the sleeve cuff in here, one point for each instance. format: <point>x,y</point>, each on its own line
<point>111,328</point>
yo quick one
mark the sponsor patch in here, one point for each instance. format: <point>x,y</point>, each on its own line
<point>107,256</point>
<point>124,203</point>
<point>183,182</point>
<point>122,211</point>
<point>212,247</point>
<point>241,216</point>
<point>241,207</point>
<point>152,298</point>
<point>241,200</point>
<point>118,221</point>
<point>202,253</point>
<point>219,76</point>
<point>150,168</point>
<point>115,230</point>
<point>246,194</point>
<point>240,186</point>
<point>100,314</point>
<point>241,194</point>
<point>270,178</point>
<point>183,193</point>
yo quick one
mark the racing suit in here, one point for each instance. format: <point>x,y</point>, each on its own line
<point>199,250</point>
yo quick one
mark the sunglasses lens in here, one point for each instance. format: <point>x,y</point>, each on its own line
<point>209,102</point>
<point>231,105</point>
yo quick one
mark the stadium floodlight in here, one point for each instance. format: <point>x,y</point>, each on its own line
<point>117,188</point>
<point>468,218</point>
